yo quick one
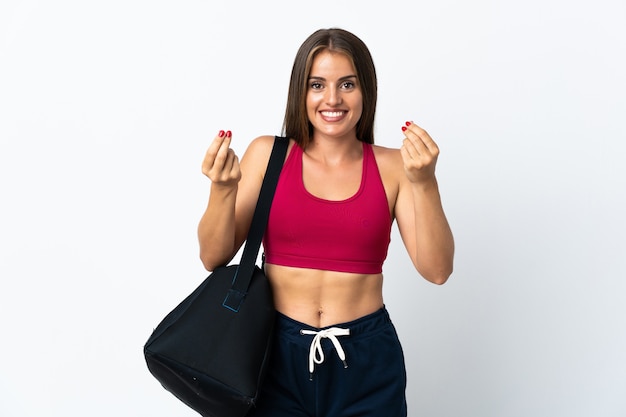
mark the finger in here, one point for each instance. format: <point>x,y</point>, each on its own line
<point>409,148</point>
<point>423,137</point>
<point>217,143</point>
<point>229,161</point>
<point>413,137</point>
<point>413,143</point>
<point>233,164</point>
<point>419,147</point>
<point>413,159</point>
<point>407,157</point>
<point>220,143</point>
<point>221,157</point>
<point>213,149</point>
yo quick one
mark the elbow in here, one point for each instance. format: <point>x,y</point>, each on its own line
<point>209,262</point>
<point>214,257</point>
<point>437,269</point>
<point>438,277</point>
<point>208,265</point>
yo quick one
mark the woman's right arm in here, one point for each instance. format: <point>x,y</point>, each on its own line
<point>233,195</point>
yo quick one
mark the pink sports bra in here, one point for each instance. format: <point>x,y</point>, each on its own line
<point>350,235</point>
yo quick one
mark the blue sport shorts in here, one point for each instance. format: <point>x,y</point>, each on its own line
<point>346,370</point>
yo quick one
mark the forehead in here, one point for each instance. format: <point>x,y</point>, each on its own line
<point>327,62</point>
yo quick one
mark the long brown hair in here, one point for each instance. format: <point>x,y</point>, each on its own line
<point>296,124</point>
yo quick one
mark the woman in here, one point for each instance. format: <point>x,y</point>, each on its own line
<point>336,351</point>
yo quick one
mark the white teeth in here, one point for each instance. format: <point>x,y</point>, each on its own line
<point>332,113</point>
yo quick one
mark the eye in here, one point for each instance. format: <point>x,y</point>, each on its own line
<point>315,85</point>
<point>348,85</point>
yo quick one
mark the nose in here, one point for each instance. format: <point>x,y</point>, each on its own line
<point>333,96</point>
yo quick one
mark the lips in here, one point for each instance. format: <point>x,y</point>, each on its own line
<point>333,115</point>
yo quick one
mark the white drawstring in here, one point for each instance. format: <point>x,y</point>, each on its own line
<point>316,353</point>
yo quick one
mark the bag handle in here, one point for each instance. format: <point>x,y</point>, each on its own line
<point>245,270</point>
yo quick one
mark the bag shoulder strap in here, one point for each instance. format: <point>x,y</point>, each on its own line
<point>245,270</point>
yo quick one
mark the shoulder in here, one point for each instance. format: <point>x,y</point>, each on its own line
<point>258,153</point>
<point>260,145</point>
<point>384,153</point>
<point>389,161</point>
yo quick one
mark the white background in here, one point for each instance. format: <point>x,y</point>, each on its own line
<point>107,107</point>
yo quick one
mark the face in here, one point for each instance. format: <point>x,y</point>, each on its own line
<point>334,101</point>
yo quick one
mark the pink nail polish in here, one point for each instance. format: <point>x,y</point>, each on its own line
<point>403,129</point>
<point>221,134</point>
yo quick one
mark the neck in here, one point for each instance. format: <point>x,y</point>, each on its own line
<point>334,152</point>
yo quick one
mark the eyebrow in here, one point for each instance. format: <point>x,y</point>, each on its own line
<point>340,79</point>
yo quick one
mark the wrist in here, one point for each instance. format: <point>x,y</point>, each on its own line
<point>224,189</point>
<point>425,186</point>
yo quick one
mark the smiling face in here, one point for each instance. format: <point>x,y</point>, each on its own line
<point>334,100</point>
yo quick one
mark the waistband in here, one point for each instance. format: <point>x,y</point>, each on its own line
<point>361,327</point>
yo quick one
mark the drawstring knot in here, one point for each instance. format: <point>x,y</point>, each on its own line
<point>316,353</point>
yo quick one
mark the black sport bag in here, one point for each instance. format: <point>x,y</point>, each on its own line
<point>211,351</point>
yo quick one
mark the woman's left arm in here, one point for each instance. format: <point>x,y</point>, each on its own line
<point>418,210</point>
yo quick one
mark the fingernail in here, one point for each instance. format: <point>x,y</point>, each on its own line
<point>403,128</point>
<point>228,134</point>
<point>408,123</point>
<point>221,134</point>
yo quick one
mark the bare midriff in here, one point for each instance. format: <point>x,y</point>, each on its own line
<point>324,298</point>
